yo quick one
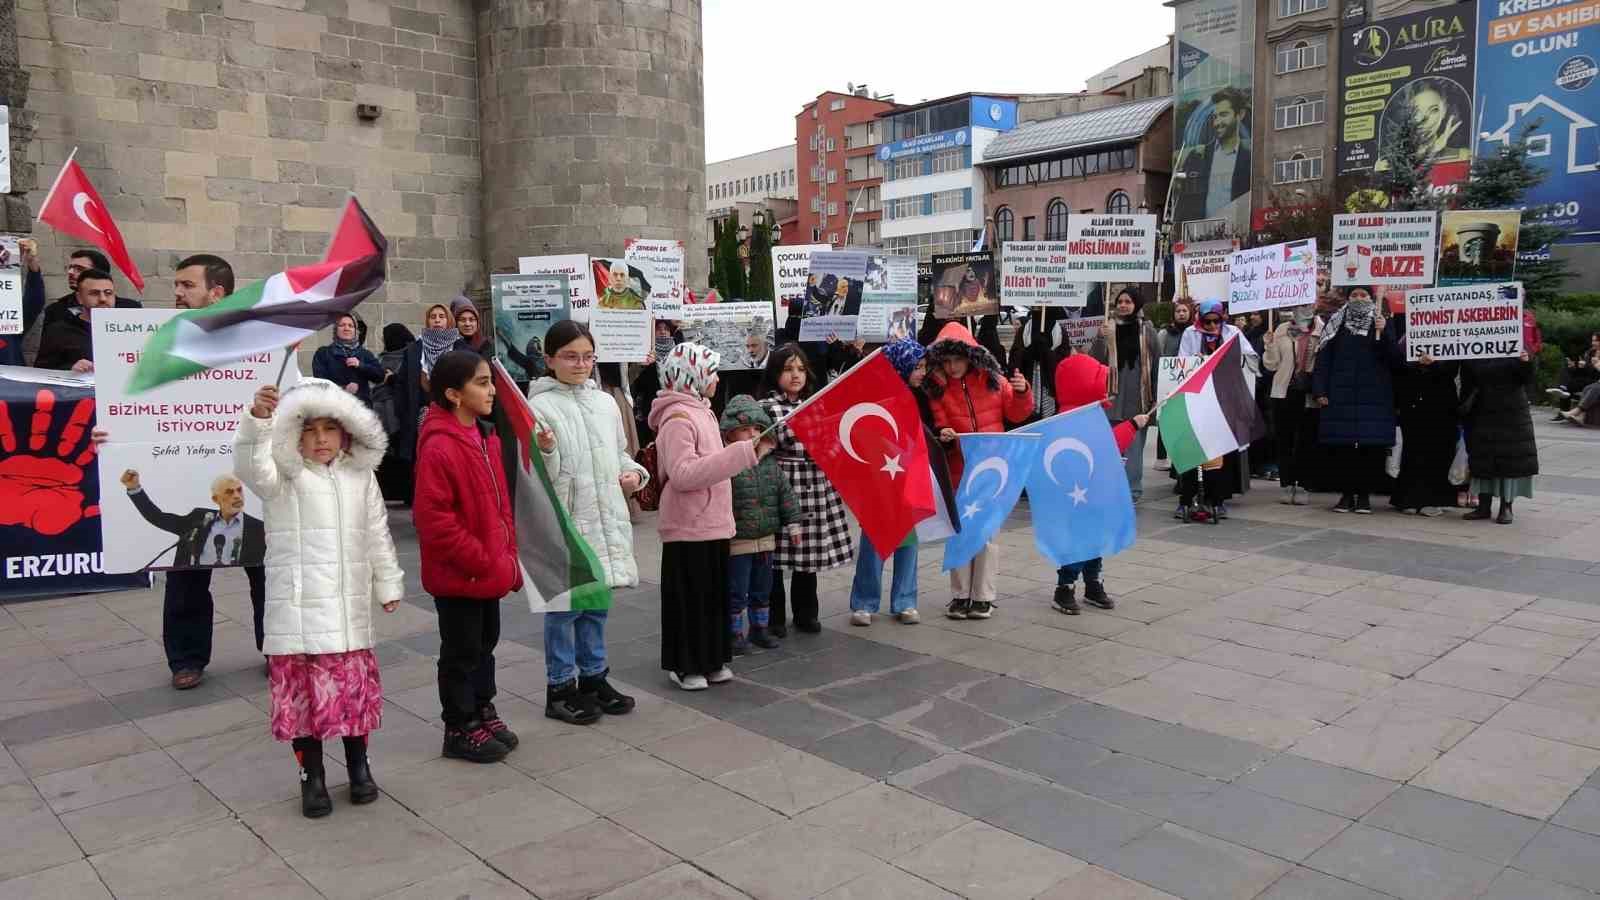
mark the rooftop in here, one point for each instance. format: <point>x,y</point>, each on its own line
<point>1112,124</point>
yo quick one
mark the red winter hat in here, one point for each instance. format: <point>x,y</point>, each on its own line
<point>1081,379</point>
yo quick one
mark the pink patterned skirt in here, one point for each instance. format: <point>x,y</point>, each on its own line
<point>325,695</point>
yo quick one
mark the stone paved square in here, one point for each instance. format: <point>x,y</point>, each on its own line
<point>1289,706</point>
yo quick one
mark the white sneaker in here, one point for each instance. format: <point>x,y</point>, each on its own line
<point>1288,496</point>
<point>861,617</point>
<point>689,682</point>
<point>719,676</point>
<point>909,617</point>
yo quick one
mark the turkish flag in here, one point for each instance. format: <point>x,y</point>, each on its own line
<point>865,434</point>
<point>74,207</point>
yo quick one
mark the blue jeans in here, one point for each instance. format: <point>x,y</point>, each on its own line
<point>1089,569</point>
<point>749,587</point>
<point>560,649</point>
<point>866,593</point>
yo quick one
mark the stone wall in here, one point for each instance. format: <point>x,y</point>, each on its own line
<point>229,126</point>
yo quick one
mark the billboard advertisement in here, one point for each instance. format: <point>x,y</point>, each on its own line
<point>1422,62</point>
<point>1214,60</point>
<point>1539,66</point>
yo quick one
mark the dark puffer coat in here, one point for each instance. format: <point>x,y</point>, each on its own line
<point>1353,373</point>
<point>1500,442</point>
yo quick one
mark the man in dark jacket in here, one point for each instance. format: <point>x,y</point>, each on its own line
<point>1218,172</point>
<point>207,536</point>
<point>67,342</point>
<point>79,262</point>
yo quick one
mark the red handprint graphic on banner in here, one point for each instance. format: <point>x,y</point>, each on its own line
<point>40,489</point>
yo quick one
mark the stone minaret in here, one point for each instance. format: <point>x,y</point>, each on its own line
<point>593,127</point>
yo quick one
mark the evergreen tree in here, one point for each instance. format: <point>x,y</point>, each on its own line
<point>760,284</point>
<point>1502,181</point>
<point>730,268</point>
<point>716,255</point>
<point>1406,165</point>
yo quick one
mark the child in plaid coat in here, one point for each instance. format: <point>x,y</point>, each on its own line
<point>763,506</point>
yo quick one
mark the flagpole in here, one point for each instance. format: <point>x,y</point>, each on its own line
<point>288,352</point>
<point>54,184</point>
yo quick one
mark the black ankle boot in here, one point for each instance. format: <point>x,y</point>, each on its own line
<point>563,702</point>
<point>497,726</point>
<point>314,800</point>
<point>1094,594</point>
<point>599,693</point>
<point>1482,511</point>
<point>362,788</point>
<point>760,637</point>
<point>1505,513</point>
<point>1066,600</point>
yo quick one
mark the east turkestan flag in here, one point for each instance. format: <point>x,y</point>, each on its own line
<point>272,314</point>
<point>560,572</point>
<point>997,466</point>
<point>1211,412</point>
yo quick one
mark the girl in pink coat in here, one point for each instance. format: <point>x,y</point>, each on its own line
<point>696,517</point>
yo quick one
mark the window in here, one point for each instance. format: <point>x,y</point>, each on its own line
<point>833,207</point>
<point>816,235</point>
<point>791,176</point>
<point>1287,8</point>
<point>1004,224</point>
<point>949,201</point>
<point>1539,145</point>
<point>833,175</point>
<point>813,142</point>
<point>833,237</point>
<point>830,145</point>
<point>952,160</point>
<point>816,204</point>
<point>1302,54</point>
<point>1119,203</point>
<point>904,207</point>
<point>910,167</point>
<point>1028,232</point>
<point>837,104</point>
<point>1293,112</point>
<point>1055,221</point>
<point>816,173</point>
<point>1303,165</point>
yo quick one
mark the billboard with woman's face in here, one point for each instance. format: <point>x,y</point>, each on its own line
<point>1418,65</point>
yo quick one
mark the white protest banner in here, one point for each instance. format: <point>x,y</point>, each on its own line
<point>525,306</point>
<point>888,298</point>
<point>1470,321</point>
<point>1082,332</point>
<point>10,285</point>
<point>820,328</point>
<point>1034,273</point>
<point>1170,372</point>
<point>1384,248</point>
<point>168,496</point>
<point>1272,277</point>
<point>1111,247</point>
<point>740,330</point>
<point>621,335</point>
<point>791,270</point>
<point>664,260</point>
<point>1201,269</point>
<point>580,279</point>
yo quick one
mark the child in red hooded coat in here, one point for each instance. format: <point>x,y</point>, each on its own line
<point>1081,380</point>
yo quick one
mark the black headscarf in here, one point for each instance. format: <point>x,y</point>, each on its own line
<point>396,337</point>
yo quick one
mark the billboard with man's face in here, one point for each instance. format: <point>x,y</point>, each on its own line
<point>1211,151</point>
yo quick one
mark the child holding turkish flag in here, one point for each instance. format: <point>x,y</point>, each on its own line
<point>970,393</point>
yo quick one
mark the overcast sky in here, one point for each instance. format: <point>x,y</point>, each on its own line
<point>764,61</point>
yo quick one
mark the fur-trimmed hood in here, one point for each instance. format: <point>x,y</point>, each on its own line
<point>954,341</point>
<point>317,398</point>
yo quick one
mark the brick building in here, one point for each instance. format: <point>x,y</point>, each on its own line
<point>836,136</point>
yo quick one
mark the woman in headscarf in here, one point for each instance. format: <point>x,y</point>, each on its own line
<point>1208,335</point>
<point>1127,346</point>
<point>1167,340</point>
<point>394,473</point>
<point>471,329</point>
<point>1425,398</point>
<point>1035,350</point>
<point>1290,357</point>
<point>346,363</point>
<point>439,337</point>
<point>1502,454</point>
<point>1353,387</point>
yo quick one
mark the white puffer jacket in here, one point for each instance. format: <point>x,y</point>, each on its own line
<point>330,558</point>
<point>590,455</point>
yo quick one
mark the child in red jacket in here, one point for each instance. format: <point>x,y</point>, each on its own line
<point>969,393</point>
<point>468,539</point>
<point>1080,380</point>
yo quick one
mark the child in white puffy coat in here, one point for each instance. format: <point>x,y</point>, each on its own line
<point>311,457</point>
<point>580,433</point>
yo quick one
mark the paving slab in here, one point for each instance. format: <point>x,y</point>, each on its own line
<point>1176,859</point>
<point>1402,867</point>
<point>1454,824</point>
<point>1562,855</point>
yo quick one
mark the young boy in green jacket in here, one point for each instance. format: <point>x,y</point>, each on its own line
<point>763,505</point>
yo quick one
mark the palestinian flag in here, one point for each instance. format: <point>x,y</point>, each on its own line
<point>269,315</point>
<point>1211,412</point>
<point>560,573</point>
